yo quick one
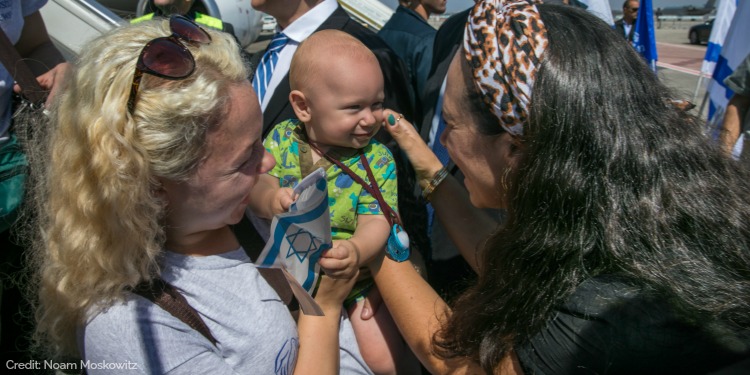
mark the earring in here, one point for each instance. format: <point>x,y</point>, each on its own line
<point>504,179</point>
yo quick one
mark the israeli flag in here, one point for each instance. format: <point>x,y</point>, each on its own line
<point>644,40</point>
<point>724,14</point>
<point>299,237</point>
<point>599,8</point>
<point>736,47</point>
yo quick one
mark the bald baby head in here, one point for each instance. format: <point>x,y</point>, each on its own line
<point>320,57</point>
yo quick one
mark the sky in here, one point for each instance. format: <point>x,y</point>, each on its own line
<point>454,6</point>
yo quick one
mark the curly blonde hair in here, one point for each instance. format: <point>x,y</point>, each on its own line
<point>99,224</point>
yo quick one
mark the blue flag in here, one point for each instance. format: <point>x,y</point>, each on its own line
<point>644,40</point>
<point>724,15</point>
<point>301,235</point>
<point>736,47</point>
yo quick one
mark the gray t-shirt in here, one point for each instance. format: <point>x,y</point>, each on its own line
<point>254,329</point>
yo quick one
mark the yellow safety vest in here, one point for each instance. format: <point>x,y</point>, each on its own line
<point>200,18</point>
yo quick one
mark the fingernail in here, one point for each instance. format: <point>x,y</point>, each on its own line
<point>392,120</point>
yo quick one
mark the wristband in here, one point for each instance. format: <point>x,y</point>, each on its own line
<point>436,180</point>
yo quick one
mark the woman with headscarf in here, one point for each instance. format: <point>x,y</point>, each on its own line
<point>627,244</point>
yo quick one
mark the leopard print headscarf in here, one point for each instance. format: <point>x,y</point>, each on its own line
<point>504,42</point>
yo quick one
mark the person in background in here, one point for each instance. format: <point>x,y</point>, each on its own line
<point>658,15</point>
<point>24,26</point>
<point>736,115</point>
<point>625,26</point>
<point>627,240</point>
<point>164,8</point>
<point>410,35</point>
<point>22,23</point>
<point>151,154</point>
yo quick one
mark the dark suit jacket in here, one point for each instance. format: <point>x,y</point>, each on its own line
<point>446,269</point>
<point>621,29</point>
<point>447,41</point>
<point>395,74</point>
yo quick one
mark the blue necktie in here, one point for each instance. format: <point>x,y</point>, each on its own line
<point>438,149</point>
<point>267,64</point>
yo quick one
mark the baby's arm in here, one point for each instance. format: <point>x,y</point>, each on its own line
<point>370,237</point>
<point>268,198</point>
<point>347,256</point>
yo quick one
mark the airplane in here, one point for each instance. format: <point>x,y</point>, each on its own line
<point>71,23</point>
<point>689,10</point>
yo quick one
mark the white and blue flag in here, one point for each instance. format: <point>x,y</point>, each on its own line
<point>724,14</point>
<point>299,237</point>
<point>599,8</point>
<point>736,47</point>
<point>644,39</point>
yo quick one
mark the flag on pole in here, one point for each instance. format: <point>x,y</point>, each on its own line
<point>299,237</point>
<point>736,47</point>
<point>724,14</point>
<point>599,8</point>
<point>644,40</point>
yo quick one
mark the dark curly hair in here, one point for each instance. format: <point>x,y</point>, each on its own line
<point>614,180</point>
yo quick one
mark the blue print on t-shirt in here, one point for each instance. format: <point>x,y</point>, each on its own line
<point>287,357</point>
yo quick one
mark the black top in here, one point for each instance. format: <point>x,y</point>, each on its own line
<point>610,327</point>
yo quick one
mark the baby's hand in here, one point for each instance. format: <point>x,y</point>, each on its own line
<point>282,200</point>
<point>341,261</point>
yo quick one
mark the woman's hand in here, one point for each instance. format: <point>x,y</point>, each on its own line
<point>51,80</point>
<point>332,292</point>
<point>424,161</point>
<point>319,335</point>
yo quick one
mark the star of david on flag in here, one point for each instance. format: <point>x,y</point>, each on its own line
<point>299,236</point>
<point>302,244</point>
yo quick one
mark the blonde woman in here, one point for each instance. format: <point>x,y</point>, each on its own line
<point>154,147</point>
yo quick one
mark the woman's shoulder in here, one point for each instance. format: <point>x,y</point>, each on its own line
<point>610,324</point>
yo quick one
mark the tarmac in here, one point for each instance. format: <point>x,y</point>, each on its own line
<point>680,62</point>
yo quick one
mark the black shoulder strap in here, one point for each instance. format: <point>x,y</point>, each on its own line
<point>169,298</point>
<point>248,238</point>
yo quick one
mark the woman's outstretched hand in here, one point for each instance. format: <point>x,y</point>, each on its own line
<point>424,161</point>
<point>332,292</point>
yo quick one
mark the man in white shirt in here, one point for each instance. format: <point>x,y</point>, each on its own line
<point>626,25</point>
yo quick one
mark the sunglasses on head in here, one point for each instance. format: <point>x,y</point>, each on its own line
<point>168,57</point>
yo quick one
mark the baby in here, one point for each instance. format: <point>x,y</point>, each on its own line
<point>337,94</point>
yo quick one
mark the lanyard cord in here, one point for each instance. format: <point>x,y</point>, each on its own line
<point>371,188</point>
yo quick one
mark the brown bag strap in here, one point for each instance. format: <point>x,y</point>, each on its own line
<point>18,69</point>
<point>169,298</point>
